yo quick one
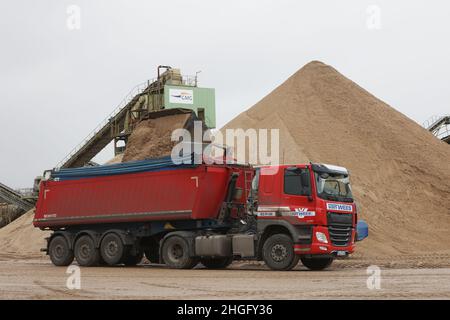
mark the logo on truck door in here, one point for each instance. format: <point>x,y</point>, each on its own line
<point>303,212</point>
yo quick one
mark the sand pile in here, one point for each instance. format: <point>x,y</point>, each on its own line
<point>116,159</point>
<point>151,137</point>
<point>399,171</point>
<point>20,238</point>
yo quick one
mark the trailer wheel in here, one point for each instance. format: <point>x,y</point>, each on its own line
<point>132,260</point>
<point>112,249</point>
<point>278,252</point>
<point>175,252</point>
<point>216,263</point>
<point>86,253</point>
<point>316,263</point>
<point>59,251</point>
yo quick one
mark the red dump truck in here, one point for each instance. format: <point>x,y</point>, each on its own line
<point>182,215</point>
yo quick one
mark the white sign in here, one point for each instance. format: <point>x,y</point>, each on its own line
<point>339,207</point>
<point>183,96</point>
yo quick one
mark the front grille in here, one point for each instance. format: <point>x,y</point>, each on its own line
<point>340,236</point>
<point>340,228</point>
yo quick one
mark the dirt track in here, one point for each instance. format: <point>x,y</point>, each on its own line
<point>39,279</point>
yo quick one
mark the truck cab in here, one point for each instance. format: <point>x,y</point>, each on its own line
<point>313,205</point>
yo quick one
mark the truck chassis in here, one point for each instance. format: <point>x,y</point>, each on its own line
<point>183,244</point>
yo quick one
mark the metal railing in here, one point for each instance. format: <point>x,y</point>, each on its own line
<point>25,192</point>
<point>442,130</point>
<point>189,81</point>
<point>433,120</point>
<point>138,89</point>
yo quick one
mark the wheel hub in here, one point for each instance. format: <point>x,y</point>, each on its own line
<point>58,251</point>
<point>176,252</point>
<point>112,248</point>
<point>85,251</point>
<point>278,252</point>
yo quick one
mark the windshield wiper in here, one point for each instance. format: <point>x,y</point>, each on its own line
<point>330,196</point>
<point>337,198</point>
<point>344,199</point>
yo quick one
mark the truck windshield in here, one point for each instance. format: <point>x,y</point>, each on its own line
<point>333,186</point>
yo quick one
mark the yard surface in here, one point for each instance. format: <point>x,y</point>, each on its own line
<point>37,278</point>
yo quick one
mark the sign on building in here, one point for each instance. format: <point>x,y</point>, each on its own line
<point>184,96</point>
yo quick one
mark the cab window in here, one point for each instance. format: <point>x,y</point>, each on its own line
<point>297,182</point>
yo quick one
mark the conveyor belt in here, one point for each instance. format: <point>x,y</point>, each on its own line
<point>101,136</point>
<point>440,127</point>
<point>10,196</point>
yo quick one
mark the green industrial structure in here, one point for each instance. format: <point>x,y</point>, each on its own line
<point>202,101</point>
<point>168,94</point>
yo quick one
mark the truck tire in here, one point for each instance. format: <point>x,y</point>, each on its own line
<point>175,252</point>
<point>278,252</point>
<point>132,260</point>
<point>60,252</point>
<point>112,249</point>
<point>86,253</point>
<point>316,263</point>
<point>216,263</point>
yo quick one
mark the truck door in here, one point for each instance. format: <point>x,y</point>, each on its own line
<point>297,194</point>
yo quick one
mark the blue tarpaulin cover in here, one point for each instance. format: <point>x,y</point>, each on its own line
<point>157,164</point>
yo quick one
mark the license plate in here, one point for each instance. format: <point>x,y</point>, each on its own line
<point>341,253</point>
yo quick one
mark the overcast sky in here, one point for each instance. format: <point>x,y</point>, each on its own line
<point>57,82</point>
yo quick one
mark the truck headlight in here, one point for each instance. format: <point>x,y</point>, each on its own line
<point>321,237</point>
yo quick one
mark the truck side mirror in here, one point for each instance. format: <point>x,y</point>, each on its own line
<point>306,184</point>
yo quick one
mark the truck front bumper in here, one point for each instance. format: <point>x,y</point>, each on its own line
<point>328,248</point>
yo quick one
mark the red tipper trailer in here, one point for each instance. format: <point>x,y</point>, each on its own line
<point>178,194</point>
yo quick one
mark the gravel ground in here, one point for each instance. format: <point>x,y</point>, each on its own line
<point>39,279</point>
